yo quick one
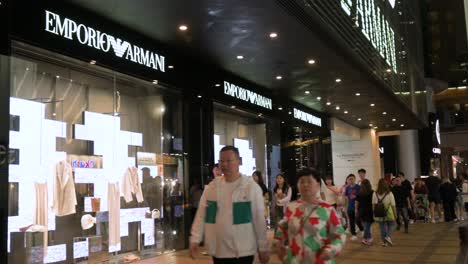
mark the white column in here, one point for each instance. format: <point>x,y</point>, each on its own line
<point>408,149</point>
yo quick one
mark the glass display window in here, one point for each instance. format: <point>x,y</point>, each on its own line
<point>99,169</point>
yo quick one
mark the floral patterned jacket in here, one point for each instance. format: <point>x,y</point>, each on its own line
<point>308,229</point>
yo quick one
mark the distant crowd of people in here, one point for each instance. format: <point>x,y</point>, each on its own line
<point>311,222</point>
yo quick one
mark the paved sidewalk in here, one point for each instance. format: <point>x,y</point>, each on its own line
<point>426,243</point>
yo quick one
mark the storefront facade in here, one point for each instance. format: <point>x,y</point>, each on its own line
<point>109,131</point>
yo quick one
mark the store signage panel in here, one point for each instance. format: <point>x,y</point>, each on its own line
<point>105,42</point>
<point>436,151</point>
<point>247,95</point>
<point>306,117</point>
<point>374,26</point>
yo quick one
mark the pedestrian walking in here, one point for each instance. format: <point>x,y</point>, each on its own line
<point>365,210</point>
<point>402,201</point>
<point>230,218</point>
<point>351,194</point>
<point>311,231</point>
<point>384,211</point>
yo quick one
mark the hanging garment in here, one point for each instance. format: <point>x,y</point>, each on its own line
<point>40,214</point>
<point>113,195</point>
<point>64,190</point>
<point>131,184</point>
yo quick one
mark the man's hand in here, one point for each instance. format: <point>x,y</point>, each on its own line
<point>264,256</point>
<point>193,250</point>
<point>326,254</point>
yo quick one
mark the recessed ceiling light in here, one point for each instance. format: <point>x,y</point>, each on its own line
<point>338,80</point>
<point>345,112</point>
<point>260,114</point>
<point>389,70</point>
<point>58,76</point>
<point>371,125</point>
<point>171,66</point>
<point>199,96</point>
<point>233,106</point>
<point>337,107</point>
<point>359,119</point>
<point>456,114</point>
<point>155,81</point>
<point>393,119</point>
<point>402,125</point>
<point>328,103</point>
<point>289,112</point>
<point>319,98</point>
<point>358,94</point>
<point>240,57</point>
<point>92,62</point>
<point>307,92</point>
<point>311,62</point>
<point>372,104</point>
<point>282,122</point>
<point>280,108</point>
<point>217,85</point>
<point>183,27</point>
<point>384,113</point>
<point>273,35</point>
<point>279,77</point>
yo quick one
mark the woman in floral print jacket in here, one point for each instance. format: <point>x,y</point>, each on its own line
<point>310,228</point>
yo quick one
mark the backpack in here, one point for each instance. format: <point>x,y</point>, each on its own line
<point>379,210</point>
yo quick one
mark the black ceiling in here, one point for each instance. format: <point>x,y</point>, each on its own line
<point>219,31</point>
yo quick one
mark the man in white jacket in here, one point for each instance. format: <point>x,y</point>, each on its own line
<point>230,216</point>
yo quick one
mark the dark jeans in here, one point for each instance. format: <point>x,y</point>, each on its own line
<point>449,210</point>
<point>402,212</point>
<point>352,222</point>
<point>367,230</point>
<point>242,260</point>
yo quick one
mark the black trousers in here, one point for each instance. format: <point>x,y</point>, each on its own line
<point>449,210</point>
<point>353,222</point>
<point>242,260</point>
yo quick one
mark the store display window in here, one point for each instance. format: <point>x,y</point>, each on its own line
<point>99,171</point>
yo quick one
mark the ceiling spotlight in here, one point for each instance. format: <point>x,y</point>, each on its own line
<point>328,103</point>
<point>319,98</point>
<point>58,76</point>
<point>456,114</point>
<point>345,112</point>
<point>260,115</point>
<point>372,104</point>
<point>92,62</point>
<point>279,77</point>
<point>338,80</point>
<point>289,112</point>
<point>402,125</point>
<point>217,85</point>
<point>155,81</point>
<point>307,92</point>
<point>384,113</point>
<point>273,35</point>
<point>337,107</point>
<point>280,108</point>
<point>371,125</point>
<point>389,70</point>
<point>311,62</point>
<point>233,106</point>
<point>359,119</point>
<point>240,57</point>
<point>183,27</point>
<point>171,66</point>
<point>358,94</point>
<point>282,122</point>
<point>199,96</point>
<point>393,119</point>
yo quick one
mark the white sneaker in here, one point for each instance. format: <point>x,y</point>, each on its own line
<point>389,241</point>
<point>433,221</point>
<point>353,238</point>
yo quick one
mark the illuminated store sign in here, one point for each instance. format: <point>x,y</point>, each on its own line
<point>374,26</point>
<point>96,39</point>
<point>436,151</point>
<point>306,117</point>
<point>246,95</point>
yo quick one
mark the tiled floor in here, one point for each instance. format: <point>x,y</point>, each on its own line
<point>426,243</point>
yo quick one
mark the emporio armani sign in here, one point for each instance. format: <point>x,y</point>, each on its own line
<point>306,117</point>
<point>246,95</point>
<point>96,39</point>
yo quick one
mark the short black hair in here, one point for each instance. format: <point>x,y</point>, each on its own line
<point>309,172</point>
<point>401,174</point>
<point>231,148</point>
<point>361,170</point>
